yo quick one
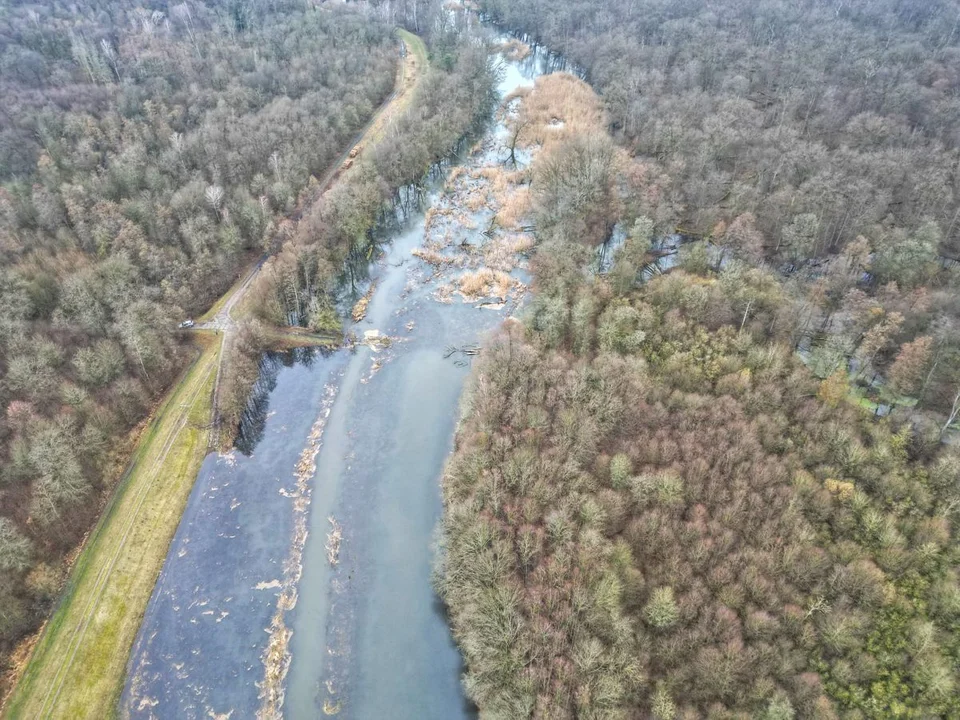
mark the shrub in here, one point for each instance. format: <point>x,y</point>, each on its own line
<point>661,611</point>
<point>620,469</point>
<point>662,706</point>
<point>15,549</point>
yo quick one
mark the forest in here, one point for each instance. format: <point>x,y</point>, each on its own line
<point>647,516</point>
<point>816,138</point>
<point>723,486</point>
<point>714,477</point>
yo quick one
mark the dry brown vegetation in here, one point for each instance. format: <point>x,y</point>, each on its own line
<point>501,196</point>
<point>473,195</point>
<point>482,283</point>
<point>359,311</point>
<point>515,209</point>
<point>558,107</point>
<point>513,49</point>
<point>504,251</point>
<point>434,257</point>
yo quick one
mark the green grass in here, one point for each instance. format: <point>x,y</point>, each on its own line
<point>78,667</point>
<point>884,396</point>
<point>221,301</point>
<point>414,44</point>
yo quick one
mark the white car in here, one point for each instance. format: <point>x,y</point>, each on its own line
<point>186,324</point>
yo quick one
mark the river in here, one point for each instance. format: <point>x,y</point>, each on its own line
<point>299,579</point>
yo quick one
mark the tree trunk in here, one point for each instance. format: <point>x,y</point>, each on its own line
<point>953,413</point>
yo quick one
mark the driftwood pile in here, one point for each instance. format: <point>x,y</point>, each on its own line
<point>464,351</point>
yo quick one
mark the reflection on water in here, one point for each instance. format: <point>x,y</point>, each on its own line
<point>541,60</point>
<point>606,252</point>
<point>198,651</point>
<point>664,253</point>
<point>253,421</point>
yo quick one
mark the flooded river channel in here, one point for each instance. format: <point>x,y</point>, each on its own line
<point>299,580</point>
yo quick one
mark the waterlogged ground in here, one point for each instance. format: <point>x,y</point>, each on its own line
<point>299,582</point>
<point>199,650</point>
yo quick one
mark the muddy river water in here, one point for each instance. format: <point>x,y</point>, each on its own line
<point>299,580</point>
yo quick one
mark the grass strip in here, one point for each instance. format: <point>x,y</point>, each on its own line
<point>78,666</point>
